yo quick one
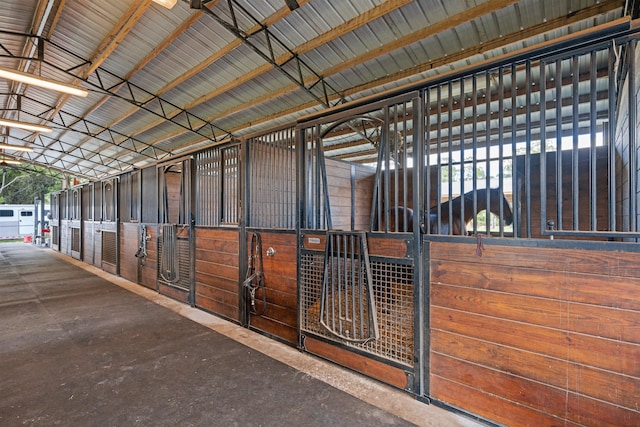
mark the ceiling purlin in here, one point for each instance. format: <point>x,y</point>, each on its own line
<point>552,24</point>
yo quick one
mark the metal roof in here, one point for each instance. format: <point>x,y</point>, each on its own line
<point>163,81</point>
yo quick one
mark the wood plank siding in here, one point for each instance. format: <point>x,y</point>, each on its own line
<point>536,334</point>
<point>350,188</point>
<point>280,319</point>
<point>217,274</point>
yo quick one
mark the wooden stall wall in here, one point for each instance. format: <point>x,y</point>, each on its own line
<point>149,218</point>
<point>350,187</point>
<point>129,243</point>
<point>279,318</point>
<point>536,335</point>
<point>217,274</point>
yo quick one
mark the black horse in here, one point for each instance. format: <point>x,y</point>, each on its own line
<point>401,217</point>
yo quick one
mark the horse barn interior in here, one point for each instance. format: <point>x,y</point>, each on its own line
<point>439,195</point>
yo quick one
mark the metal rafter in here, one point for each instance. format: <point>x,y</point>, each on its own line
<point>94,130</point>
<point>84,155</point>
<point>271,49</point>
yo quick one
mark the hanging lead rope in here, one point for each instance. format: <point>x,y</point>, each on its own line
<point>255,275</point>
<point>142,243</point>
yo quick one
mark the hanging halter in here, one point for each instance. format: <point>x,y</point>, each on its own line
<point>255,275</point>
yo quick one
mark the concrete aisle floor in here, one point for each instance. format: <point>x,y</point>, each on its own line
<point>77,350</point>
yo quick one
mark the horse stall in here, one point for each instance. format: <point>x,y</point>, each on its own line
<point>217,232</point>
<point>175,242</point>
<point>498,268</point>
<point>54,221</point>
<point>66,222</point>
<point>268,261</point>
<point>359,294</point>
<point>129,225</point>
<point>108,227</point>
<point>537,320</point>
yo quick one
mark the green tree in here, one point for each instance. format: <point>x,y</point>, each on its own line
<point>22,185</point>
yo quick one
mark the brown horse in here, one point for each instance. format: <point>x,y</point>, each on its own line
<point>457,223</point>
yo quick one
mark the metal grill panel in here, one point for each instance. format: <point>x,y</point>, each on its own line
<point>182,261</point>
<point>208,183</point>
<point>55,234</point>
<point>218,186</point>
<point>75,239</point>
<point>272,186</point>
<point>109,247</point>
<point>347,307</point>
<point>394,300</point>
<point>230,184</point>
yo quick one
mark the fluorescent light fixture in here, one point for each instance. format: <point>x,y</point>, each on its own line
<point>24,125</point>
<point>8,162</point>
<point>34,80</point>
<point>166,3</point>
<point>15,147</point>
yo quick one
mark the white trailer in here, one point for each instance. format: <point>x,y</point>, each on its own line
<point>18,221</point>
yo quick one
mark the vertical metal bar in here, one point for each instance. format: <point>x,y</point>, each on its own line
<point>500,149</point>
<point>361,286</point>
<point>450,152</point>
<point>405,169</point>
<point>527,156</point>
<point>427,155</point>
<point>633,154</point>
<point>439,157</point>
<point>543,149</point>
<point>559,173</point>
<point>487,144</point>
<point>462,147</point>
<point>475,149</point>
<point>609,133</point>
<point>334,274</point>
<point>354,287</point>
<point>352,180</point>
<point>393,155</point>
<point>593,180</point>
<point>575,174</point>
<point>385,148</point>
<point>515,173</point>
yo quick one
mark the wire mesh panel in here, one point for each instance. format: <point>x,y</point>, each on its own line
<point>109,247</point>
<point>393,299</point>
<point>271,176</point>
<point>75,240</point>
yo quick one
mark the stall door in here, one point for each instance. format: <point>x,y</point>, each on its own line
<point>175,240</point>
